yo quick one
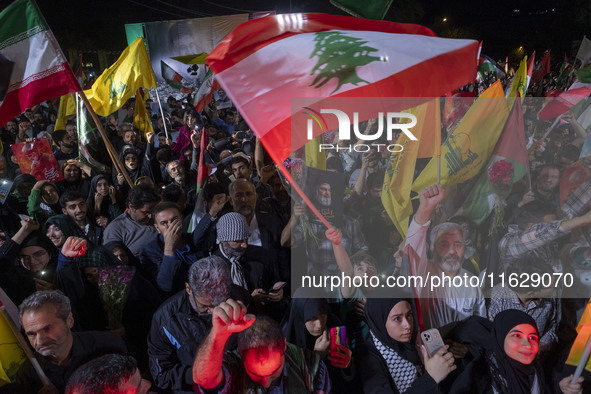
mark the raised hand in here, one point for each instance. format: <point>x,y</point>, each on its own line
<point>429,198</point>
<point>230,317</point>
<point>334,235</point>
<point>74,247</point>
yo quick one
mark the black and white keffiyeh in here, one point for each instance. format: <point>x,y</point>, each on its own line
<point>402,371</point>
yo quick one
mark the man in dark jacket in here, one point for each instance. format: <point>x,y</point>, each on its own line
<point>47,321</point>
<point>183,321</point>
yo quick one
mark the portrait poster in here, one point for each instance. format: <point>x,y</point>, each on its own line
<point>36,158</point>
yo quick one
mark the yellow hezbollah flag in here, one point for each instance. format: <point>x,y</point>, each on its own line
<point>315,158</point>
<point>119,82</point>
<point>519,83</point>
<point>469,147</point>
<point>141,121</point>
<point>67,108</point>
<point>583,334</point>
<point>401,165</point>
<point>11,353</point>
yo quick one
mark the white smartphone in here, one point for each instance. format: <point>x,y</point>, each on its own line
<point>432,341</point>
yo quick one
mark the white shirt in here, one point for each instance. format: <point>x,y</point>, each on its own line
<point>255,232</point>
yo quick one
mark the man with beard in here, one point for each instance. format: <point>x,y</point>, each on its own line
<point>66,146</point>
<point>166,258</point>
<point>445,303</point>
<point>177,172</point>
<point>74,205</point>
<point>181,324</point>
<point>323,194</point>
<point>133,226</point>
<point>249,265</point>
<point>47,321</point>
<point>264,228</point>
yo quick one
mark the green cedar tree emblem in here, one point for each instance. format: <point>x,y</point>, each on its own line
<point>338,57</point>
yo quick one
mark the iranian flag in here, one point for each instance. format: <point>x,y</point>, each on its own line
<point>40,70</point>
<point>204,94</point>
<point>266,62</point>
<point>173,78</point>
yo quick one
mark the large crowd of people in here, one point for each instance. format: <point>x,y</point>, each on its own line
<point>168,285</point>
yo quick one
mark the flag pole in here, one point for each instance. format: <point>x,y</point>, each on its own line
<point>110,148</point>
<point>162,113</point>
<point>552,127</point>
<point>25,346</point>
<point>582,361</point>
<point>301,193</point>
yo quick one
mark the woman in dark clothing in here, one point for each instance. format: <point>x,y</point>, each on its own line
<point>135,166</point>
<point>102,200</point>
<point>508,363</point>
<point>390,363</point>
<point>28,262</point>
<point>73,179</point>
<point>307,325</point>
<point>19,198</point>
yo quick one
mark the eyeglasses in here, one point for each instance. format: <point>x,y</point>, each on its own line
<point>38,255</point>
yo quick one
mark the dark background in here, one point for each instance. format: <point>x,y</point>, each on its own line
<point>504,26</point>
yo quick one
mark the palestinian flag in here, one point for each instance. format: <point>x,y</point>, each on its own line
<point>40,71</point>
<point>266,62</point>
<point>510,148</point>
<point>565,101</point>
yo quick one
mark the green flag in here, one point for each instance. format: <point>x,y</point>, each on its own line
<point>87,136</point>
<point>369,9</point>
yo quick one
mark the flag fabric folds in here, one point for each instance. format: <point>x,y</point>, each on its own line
<point>170,76</point>
<point>583,335</point>
<point>118,83</point>
<point>468,148</point>
<point>67,107</point>
<point>141,121</point>
<point>584,52</point>
<point>511,148</point>
<point>266,62</point>
<point>40,71</point>
<point>204,94</point>
<point>87,136</point>
<point>565,100</point>
<point>519,82</point>
<point>543,70</point>
<point>12,355</point>
<point>401,165</point>
<point>370,9</point>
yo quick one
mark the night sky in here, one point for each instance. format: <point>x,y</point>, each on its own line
<point>502,25</point>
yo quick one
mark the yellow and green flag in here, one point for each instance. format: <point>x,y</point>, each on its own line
<point>118,83</point>
<point>67,108</point>
<point>12,354</point>
<point>471,144</point>
<point>141,121</point>
<point>583,335</point>
<point>315,158</point>
<point>519,83</point>
<point>401,165</point>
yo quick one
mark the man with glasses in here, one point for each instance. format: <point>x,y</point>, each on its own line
<point>182,322</point>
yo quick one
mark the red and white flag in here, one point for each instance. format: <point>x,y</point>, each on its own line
<point>543,70</point>
<point>40,70</point>
<point>565,101</point>
<point>266,62</point>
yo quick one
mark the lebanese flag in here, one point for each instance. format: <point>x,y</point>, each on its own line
<point>40,70</point>
<point>565,101</point>
<point>266,62</point>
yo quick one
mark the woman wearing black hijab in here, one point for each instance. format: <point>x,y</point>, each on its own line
<point>509,363</point>
<point>390,362</point>
<point>28,262</point>
<point>102,200</point>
